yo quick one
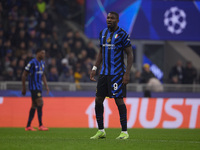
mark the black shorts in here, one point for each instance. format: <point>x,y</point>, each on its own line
<point>35,94</point>
<point>111,86</point>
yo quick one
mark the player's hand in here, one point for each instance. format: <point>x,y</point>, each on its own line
<point>126,78</point>
<point>47,88</point>
<point>23,91</point>
<point>92,75</point>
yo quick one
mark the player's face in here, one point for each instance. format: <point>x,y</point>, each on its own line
<point>112,20</point>
<point>41,54</point>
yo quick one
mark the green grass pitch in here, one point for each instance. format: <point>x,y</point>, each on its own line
<point>79,139</point>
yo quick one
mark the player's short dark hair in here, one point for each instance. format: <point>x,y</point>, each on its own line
<point>39,50</point>
<point>115,13</point>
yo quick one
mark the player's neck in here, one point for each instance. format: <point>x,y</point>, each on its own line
<point>38,59</point>
<point>113,29</point>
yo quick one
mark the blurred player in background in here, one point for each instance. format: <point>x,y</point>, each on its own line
<point>114,41</point>
<point>35,71</point>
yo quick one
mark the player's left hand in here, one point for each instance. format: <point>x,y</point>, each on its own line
<point>126,78</point>
<point>92,74</point>
<point>47,88</point>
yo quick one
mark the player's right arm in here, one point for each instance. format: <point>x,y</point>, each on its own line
<point>24,76</point>
<point>99,59</point>
<point>97,64</point>
<point>25,73</point>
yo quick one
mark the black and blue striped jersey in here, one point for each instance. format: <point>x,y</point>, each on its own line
<point>36,70</point>
<point>113,45</point>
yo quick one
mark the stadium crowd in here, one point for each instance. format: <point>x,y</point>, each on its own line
<point>27,25</point>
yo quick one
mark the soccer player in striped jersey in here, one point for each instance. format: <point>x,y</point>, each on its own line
<point>114,76</point>
<point>35,72</point>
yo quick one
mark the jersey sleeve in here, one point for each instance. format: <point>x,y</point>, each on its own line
<point>126,40</point>
<point>100,37</point>
<point>29,66</point>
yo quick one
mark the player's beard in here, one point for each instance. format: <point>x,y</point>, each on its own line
<point>41,57</point>
<point>112,26</point>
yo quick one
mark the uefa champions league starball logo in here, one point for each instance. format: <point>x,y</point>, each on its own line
<point>175,20</point>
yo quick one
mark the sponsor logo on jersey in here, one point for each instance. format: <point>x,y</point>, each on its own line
<point>39,72</point>
<point>110,46</point>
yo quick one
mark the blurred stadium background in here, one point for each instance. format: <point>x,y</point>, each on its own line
<point>165,34</point>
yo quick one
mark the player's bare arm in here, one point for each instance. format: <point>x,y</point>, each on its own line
<point>126,76</point>
<point>45,82</point>
<point>97,64</point>
<point>24,76</point>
